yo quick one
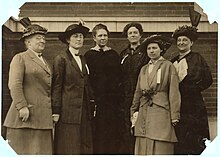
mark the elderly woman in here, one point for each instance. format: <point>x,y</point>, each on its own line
<point>29,120</point>
<point>132,60</point>
<point>156,104</point>
<point>194,77</point>
<point>71,96</point>
<point>104,65</point>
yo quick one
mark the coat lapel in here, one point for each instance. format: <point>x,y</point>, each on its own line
<point>39,62</point>
<point>73,62</point>
<point>152,76</point>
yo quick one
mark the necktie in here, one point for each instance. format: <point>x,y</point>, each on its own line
<point>40,55</point>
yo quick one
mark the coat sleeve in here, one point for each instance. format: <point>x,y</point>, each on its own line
<point>137,96</point>
<point>16,78</point>
<point>174,94</point>
<point>57,83</point>
<point>206,79</point>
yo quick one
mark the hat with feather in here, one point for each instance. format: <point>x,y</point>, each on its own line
<point>189,31</point>
<point>31,29</point>
<point>72,29</point>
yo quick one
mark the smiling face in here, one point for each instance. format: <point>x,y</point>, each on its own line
<point>76,40</point>
<point>184,44</point>
<point>133,35</point>
<point>36,42</point>
<point>153,51</point>
<point>101,37</point>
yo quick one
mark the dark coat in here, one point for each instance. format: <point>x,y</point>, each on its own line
<point>70,98</point>
<point>193,126</point>
<point>105,78</point>
<point>131,64</point>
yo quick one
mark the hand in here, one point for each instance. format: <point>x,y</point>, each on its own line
<point>174,122</point>
<point>134,118</point>
<point>24,114</point>
<point>55,118</point>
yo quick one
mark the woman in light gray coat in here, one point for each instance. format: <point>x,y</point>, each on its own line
<point>29,120</point>
<point>156,103</point>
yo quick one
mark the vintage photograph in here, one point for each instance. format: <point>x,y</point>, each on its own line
<point>109,78</point>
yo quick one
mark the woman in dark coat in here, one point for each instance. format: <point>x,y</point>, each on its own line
<point>132,60</point>
<point>104,65</point>
<point>194,77</point>
<point>71,96</point>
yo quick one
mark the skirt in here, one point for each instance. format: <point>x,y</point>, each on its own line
<point>27,141</point>
<point>146,146</point>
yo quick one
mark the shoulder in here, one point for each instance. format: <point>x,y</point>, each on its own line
<point>19,57</point>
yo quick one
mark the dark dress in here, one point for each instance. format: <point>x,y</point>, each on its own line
<point>193,126</point>
<point>70,99</point>
<point>105,76</point>
<point>131,64</point>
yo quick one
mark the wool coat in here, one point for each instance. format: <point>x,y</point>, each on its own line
<point>30,86</point>
<point>157,111</point>
<point>193,126</point>
<point>71,94</point>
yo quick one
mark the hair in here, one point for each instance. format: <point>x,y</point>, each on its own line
<point>133,24</point>
<point>99,26</point>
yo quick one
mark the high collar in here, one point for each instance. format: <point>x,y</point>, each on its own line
<point>97,48</point>
<point>161,58</point>
<point>73,51</point>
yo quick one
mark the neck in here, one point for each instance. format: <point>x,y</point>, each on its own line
<point>135,45</point>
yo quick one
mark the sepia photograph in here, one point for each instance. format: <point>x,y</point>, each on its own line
<point>109,78</point>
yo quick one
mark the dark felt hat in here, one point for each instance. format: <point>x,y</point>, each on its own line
<point>189,31</point>
<point>70,30</point>
<point>163,41</point>
<point>33,29</point>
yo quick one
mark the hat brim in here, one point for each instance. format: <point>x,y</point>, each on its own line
<point>80,29</point>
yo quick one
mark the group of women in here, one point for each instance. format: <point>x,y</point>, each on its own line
<point>105,103</point>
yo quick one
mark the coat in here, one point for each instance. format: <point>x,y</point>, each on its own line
<point>30,86</point>
<point>68,89</point>
<point>193,126</point>
<point>157,111</point>
<point>71,94</point>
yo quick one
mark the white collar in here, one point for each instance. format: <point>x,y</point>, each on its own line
<point>161,58</point>
<point>36,53</point>
<point>97,48</point>
<point>73,51</point>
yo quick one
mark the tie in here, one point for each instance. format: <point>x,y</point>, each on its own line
<point>101,50</point>
<point>40,55</point>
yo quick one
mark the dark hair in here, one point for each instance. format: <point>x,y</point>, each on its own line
<point>133,24</point>
<point>99,26</point>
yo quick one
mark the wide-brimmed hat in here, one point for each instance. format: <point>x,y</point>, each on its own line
<point>188,31</point>
<point>33,29</point>
<point>74,28</point>
<point>163,41</point>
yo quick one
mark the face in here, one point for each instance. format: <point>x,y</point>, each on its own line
<point>101,37</point>
<point>36,42</point>
<point>153,51</point>
<point>133,35</point>
<point>76,40</point>
<point>184,44</point>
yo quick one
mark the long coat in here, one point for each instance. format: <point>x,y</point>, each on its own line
<point>105,78</point>
<point>157,111</point>
<point>131,63</point>
<point>193,126</point>
<point>70,99</point>
<point>30,86</point>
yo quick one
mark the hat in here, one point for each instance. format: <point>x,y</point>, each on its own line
<point>189,31</point>
<point>74,28</point>
<point>33,29</point>
<point>132,24</point>
<point>163,42</point>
